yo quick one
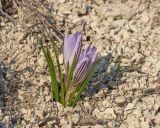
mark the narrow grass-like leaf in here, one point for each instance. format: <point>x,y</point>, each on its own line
<point>72,96</point>
<point>82,87</point>
<point>54,86</point>
<point>53,76</point>
<point>56,46</point>
<point>60,73</point>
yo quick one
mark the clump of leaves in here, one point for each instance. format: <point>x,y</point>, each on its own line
<point>79,66</point>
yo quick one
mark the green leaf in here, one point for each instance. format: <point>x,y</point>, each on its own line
<point>60,73</point>
<point>72,96</point>
<point>56,46</point>
<point>81,89</point>
<point>54,84</point>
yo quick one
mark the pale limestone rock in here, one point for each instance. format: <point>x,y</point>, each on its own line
<point>47,98</point>
<point>108,113</point>
<point>133,122</point>
<point>120,99</point>
<point>150,101</point>
<point>105,103</point>
<point>148,114</point>
<point>89,108</point>
<point>61,59</point>
<point>23,110</point>
<point>75,118</point>
<point>145,124</point>
<point>41,61</point>
<point>98,126</point>
<point>28,126</point>
<point>119,50</point>
<point>157,120</point>
<point>96,111</point>
<point>129,106</point>
<point>137,113</point>
<point>62,1</point>
<point>60,108</point>
<point>158,66</point>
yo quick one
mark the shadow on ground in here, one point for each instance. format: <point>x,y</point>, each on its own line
<point>110,73</point>
<point>9,85</point>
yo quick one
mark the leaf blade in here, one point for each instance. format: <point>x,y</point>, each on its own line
<point>54,87</point>
<point>60,73</point>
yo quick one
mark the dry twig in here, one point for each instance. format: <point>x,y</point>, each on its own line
<point>4,14</point>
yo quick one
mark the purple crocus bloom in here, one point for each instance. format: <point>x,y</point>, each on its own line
<point>84,64</point>
<point>72,49</point>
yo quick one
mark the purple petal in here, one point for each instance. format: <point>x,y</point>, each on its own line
<point>91,52</point>
<point>85,63</point>
<point>77,34</point>
<point>72,48</point>
<point>77,49</point>
<point>84,53</point>
<point>69,44</point>
<point>80,69</point>
<point>94,57</point>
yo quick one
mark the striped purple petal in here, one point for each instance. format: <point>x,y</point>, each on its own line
<point>72,48</point>
<point>77,49</point>
<point>85,63</point>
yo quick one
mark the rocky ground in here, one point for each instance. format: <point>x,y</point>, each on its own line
<point>124,91</point>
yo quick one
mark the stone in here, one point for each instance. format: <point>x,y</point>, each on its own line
<point>133,122</point>
<point>20,97</point>
<point>47,98</point>
<point>108,114</point>
<point>148,114</point>
<point>41,61</point>
<point>98,126</point>
<point>24,111</point>
<point>75,118</point>
<point>62,1</point>
<point>88,107</point>
<point>61,59</point>
<point>60,108</point>
<point>138,57</point>
<point>96,111</point>
<point>119,50</point>
<point>158,65</point>
<point>120,100</point>
<point>157,120</point>
<point>105,103</point>
<point>123,126</point>
<point>84,126</point>
<point>129,106</point>
<point>137,113</point>
<point>123,27</point>
<point>145,124</point>
<point>150,101</point>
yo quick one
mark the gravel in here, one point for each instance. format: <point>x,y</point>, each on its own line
<point>124,91</point>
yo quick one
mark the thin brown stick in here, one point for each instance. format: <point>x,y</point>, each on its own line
<point>4,14</point>
<point>42,18</point>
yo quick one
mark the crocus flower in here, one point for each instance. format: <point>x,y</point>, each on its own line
<point>72,49</point>
<point>84,64</point>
